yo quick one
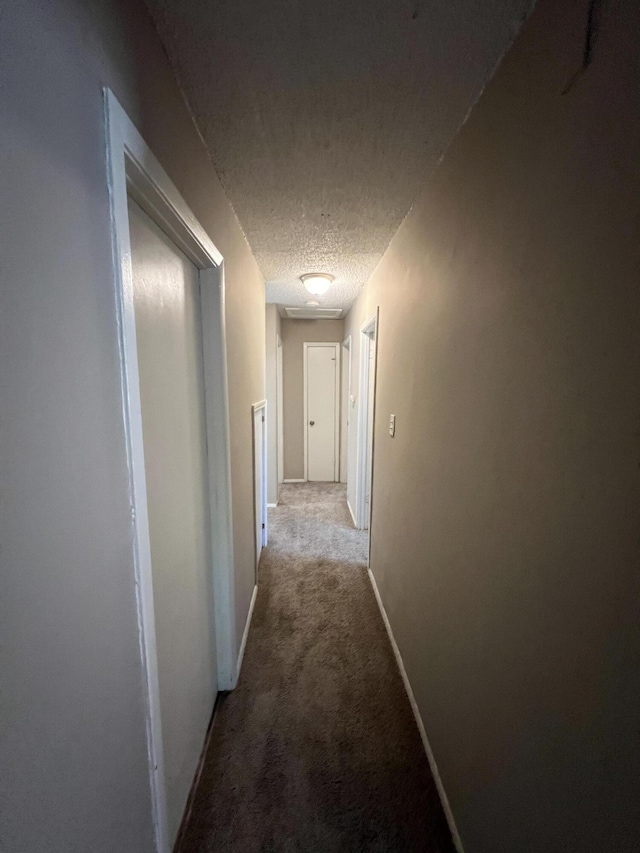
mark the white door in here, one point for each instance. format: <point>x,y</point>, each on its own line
<point>280,410</point>
<point>366,412</point>
<point>166,295</point>
<point>260,477</point>
<point>345,393</point>
<point>370,409</point>
<point>322,404</point>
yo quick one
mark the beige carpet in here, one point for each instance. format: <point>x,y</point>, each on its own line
<point>317,748</point>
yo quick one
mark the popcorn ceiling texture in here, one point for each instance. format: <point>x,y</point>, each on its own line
<point>323,119</point>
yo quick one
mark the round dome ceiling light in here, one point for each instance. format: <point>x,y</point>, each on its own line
<point>317,282</point>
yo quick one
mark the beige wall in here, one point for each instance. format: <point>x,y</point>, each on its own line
<point>273,329</point>
<point>73,749</point>
<point>294,334</point>
<point>505,511</point>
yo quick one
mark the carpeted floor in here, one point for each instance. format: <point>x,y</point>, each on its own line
<point>317,748</point>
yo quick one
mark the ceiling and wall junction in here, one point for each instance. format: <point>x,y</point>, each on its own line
<point>323,119</point>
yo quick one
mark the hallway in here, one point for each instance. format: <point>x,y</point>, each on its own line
<point>251,245</point>
<point>317,748</point>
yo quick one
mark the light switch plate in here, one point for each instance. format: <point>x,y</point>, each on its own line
<point>392,425</point>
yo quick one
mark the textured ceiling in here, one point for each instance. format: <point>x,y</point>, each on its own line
<point>324,117</point>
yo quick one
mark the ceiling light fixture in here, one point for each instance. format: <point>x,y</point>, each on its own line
<point>317,282</point>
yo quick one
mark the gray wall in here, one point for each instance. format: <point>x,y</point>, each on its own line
<point>273,329</point>
<point>294,334</point>
<point>72,731</point>
<point>505,511</point>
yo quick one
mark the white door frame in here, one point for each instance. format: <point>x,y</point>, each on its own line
<point>280,408</point>
<point>260,500</point>
<point>336,428</point>
<point>345,394</point>
<point>365,454</point>
<point>133,171</point>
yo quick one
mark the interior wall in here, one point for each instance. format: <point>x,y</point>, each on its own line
<point>294,335</point>
<point>505,510</point>
<point>72,743</point>
<point>273,329</point>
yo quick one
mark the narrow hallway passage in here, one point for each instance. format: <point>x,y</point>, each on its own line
<point>317,748</point>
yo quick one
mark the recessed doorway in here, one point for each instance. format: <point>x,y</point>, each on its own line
<point>321,411</point>
<point>259,416</point>
<point>366,417</point>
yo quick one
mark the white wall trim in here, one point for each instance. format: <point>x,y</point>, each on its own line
<point>245,634</point>
<point>214,348</point>
<point>345,396</point>
<point>294,481</point>
<point>280,408</point>
<point>367,329</point>
<point>132,170</point>
<point>416,713</point>
<point>353,517</point>
<point>272,506</point>
<point>336,425</point>
<point>261,409</point>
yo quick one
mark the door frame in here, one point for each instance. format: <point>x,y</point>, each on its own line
<point>336,426</point>
<point>345,396</point>
<point>365,453</point>
<point>261,500</point>
<point>280,409</point>
<point>132,170</point>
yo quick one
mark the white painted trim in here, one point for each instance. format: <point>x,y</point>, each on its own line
<point>353,517</point>
<point>214,348</point>
<point>245,634</point>
<point>294,481</point>
<point>132,170</point>
<point>416,713</point>
<point>368,328</point>
<point>345,415</point>
<point>280,408</point>
<point>336,411</point>
<point>150,186</point>
<point>272,506</point>
<point>255,409</point>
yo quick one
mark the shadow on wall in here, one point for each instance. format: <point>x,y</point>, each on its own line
<point>505,529</point>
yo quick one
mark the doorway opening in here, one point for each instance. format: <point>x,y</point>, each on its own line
<point>259,417</point>
<point>321,370</point>
<point>279,409</point>
<point>150,217</point>
<point>172,396</point>
<point>345,409</point>
<point>366,417</point>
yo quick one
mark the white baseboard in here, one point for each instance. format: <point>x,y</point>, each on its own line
<point>457,843</point>
<point>246,632</point>
<point>294,481</point>
<point>353,518</point>
<point>272,506</point>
